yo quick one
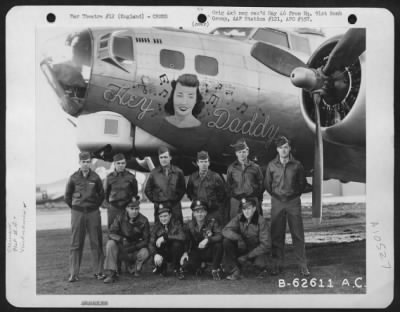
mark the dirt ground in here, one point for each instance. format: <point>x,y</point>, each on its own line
<point>336,267</point>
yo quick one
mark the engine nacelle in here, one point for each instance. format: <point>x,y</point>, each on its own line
<point>342,112</point>
<point>108,129</point>
<point>97,130</point>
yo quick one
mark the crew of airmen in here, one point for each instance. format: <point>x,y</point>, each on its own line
<point>227,229</point>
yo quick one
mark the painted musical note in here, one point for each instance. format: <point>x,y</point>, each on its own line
<point>163,79</point>
<point>228,92</point>
<point>242,108</point>
<point>218,87</point>
<point>163,93</point>
<point>144,88</point>
<point>261,111</point>
<point>214,99</point>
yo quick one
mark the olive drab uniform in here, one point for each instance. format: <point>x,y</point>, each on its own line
<point>84,195</point>
<point>244,181</point>
<point>285,184</point>
<point>174,245</point>
<point>128,241</point>
<point>247,238</point>
<point>120,188</point>
<point>211,189</point>
<point>213,251</point>
<point>166,186</point>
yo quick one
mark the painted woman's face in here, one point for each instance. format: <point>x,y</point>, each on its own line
<point>184,100</point>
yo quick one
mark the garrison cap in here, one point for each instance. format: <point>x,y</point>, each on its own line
<point>199,204</point>
<point>84,156</point>
<point>163,149</point>
<point>240,145</point>
<point>163,208</point>
<point>134,203</point>
<point>202,155</point>
<point>118,157</point>
<point>281,141</point>
<point>246,201</point>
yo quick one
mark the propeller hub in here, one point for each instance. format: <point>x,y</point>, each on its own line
<point>307,78</point>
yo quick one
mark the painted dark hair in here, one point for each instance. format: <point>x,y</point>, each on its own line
<point>187,80</point>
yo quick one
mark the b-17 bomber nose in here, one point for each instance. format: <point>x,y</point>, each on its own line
<point>66,64</point>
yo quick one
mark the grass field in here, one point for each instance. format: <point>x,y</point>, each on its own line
<point>341,266</point>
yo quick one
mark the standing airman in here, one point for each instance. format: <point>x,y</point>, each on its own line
<point>285,181</point>
<point>166,185</point>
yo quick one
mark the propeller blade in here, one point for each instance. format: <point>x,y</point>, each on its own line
<point>275,58</point>
<point>346,51</point>
<point>318,173</point>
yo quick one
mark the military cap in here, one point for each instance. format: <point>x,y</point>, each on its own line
<point>240,145</point>
<point>281,141</point>
<point>118,157</point>
<point>246,201</point>
<point>163,149</point>
<point>134,203</point>
<point>199,204</point>
<point>84,156</point>
<point>202,155</point>
<point>163,208</point>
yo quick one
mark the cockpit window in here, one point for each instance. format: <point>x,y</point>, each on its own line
<point>206,65</point>
<point>172,59</point>
<point>300,44</point>
<point>272,36</point>
<point>123,49</point>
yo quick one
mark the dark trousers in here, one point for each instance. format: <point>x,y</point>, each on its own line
<point>82,222</point>
<point>176,211</point>
<point>233,252</point>
<point>112,213</point>
<point>171,251</point>
<point>213,253</point>
<point>290,211</point>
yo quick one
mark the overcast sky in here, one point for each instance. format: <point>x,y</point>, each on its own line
<point>56,150</point>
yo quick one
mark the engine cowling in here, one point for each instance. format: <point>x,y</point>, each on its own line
<point>97,130</point>
<point>343,107</point>
<point>107,133</point>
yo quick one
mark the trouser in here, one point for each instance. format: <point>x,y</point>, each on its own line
<point>80,223</point>
<point>233,252</point>
<point>176,211</point>
<point>235,207</point>
<point>115,252</point>
<point>213,253</point>
<point>217,211</point>
<point>171,251</point>
<point>290,211</point>
<point>112,213</point>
